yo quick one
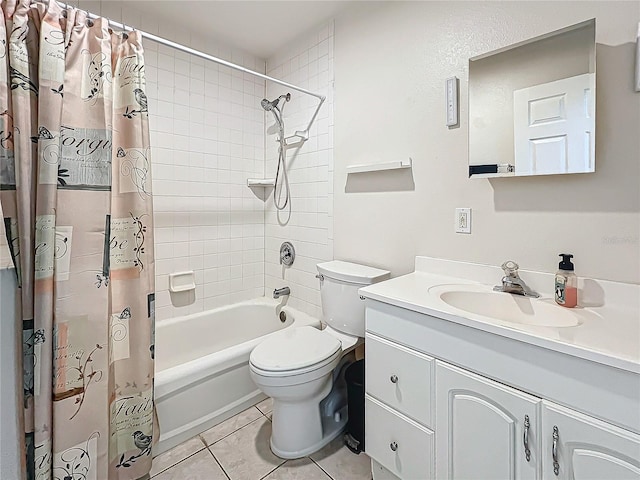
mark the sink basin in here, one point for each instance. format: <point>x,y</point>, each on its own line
<point>505,307</point>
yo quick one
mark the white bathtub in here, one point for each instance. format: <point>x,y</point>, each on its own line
<point>202,365</point>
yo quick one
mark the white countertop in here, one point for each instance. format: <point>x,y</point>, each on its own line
<point>609,332</point>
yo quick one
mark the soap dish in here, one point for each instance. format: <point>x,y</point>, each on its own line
<point>182,282</point>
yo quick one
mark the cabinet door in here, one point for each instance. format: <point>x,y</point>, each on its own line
<point>482,427</point>
<point>586,448</point>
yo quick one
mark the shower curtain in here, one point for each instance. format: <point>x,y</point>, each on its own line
<point>75,191</point>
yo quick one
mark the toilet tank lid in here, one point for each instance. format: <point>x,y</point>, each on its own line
<point>352,272</point>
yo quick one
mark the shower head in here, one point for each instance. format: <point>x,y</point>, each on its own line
<point>267,105</point>
<point>270,105</point>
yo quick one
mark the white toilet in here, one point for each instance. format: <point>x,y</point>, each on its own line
<point>302,368</point>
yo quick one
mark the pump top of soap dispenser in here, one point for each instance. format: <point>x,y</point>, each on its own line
<point>566,264</point>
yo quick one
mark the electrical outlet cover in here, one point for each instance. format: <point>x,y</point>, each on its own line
<point>463,220</point>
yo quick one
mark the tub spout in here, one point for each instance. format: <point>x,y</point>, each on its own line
<point>279,292</point>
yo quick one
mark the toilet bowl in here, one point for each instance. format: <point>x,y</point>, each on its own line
<point>302,369</point>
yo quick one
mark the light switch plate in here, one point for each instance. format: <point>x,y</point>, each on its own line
<point>463,220</point>
<point>452,101</point>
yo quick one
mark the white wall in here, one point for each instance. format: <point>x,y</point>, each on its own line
<point>308,63</point>
<point>9,452</point>
<point>9,408</point>
<point>391,62</point>
<point>5,255</point>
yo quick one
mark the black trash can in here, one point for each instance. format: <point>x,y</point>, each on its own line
<point>354,436</point>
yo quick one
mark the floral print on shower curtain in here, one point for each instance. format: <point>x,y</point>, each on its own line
<point>75,189</point>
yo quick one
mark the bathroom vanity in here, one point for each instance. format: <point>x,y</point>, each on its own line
<point>458,389</point>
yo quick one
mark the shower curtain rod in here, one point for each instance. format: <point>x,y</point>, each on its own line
<point>206,56</point>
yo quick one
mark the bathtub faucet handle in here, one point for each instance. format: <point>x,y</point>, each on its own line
<point>279,292</point>
<point>287,254</point>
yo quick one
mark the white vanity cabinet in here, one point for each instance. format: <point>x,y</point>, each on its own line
<point>485,430</point>
<point>449,402</point>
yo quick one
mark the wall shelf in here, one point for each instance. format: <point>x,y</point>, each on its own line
<point>378,167</point>
<point>261,182</point>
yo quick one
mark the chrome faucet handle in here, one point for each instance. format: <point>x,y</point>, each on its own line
<point>510,268</point>
<point>287,254</point>
<point>512,283</point>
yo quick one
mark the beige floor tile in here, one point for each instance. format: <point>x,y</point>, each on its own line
<point>201,466</point>
<point>231,425</point>
<point>302,468</point>
<point>338,461</point>
<point>176,454</point>
<point>266,406</point>
<point>245,454</point>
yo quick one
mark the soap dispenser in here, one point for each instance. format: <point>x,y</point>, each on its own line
<point>566,283</point>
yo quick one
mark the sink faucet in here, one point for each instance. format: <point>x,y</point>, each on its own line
<point>279,292</point>
<point>512,283</point>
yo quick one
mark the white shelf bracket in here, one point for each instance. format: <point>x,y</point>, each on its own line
<point>378,167</point>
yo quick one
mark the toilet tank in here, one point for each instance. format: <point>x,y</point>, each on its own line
<point>342,307</point>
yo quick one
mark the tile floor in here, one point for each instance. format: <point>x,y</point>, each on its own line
<point>238,449</point>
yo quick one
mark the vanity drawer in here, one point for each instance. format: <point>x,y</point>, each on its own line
<point>398,443</point>
<point>400,377</point>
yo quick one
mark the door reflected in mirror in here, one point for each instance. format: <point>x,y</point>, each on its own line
<point>532,106</point>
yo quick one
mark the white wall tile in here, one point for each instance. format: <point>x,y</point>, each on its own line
<point>305,63</point>
<point>199,196</point>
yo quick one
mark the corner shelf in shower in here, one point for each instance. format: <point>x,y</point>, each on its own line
<point>261,182</point>
<point>378,167</point>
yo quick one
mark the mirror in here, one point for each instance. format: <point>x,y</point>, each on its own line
<point>532,106</point>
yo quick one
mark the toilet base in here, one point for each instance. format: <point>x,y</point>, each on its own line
<point>303,428</point>
<point>331,429</point>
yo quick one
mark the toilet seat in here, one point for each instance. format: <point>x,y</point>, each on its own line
<point>294,377</point>
<point>295,351</point>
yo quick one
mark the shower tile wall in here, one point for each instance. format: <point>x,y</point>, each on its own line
<point>207,137</point>
<point>208,140</point>
<point>308,63</point>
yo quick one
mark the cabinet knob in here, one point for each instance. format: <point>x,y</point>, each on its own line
<point>393,446</point>
<point>394,379</point>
